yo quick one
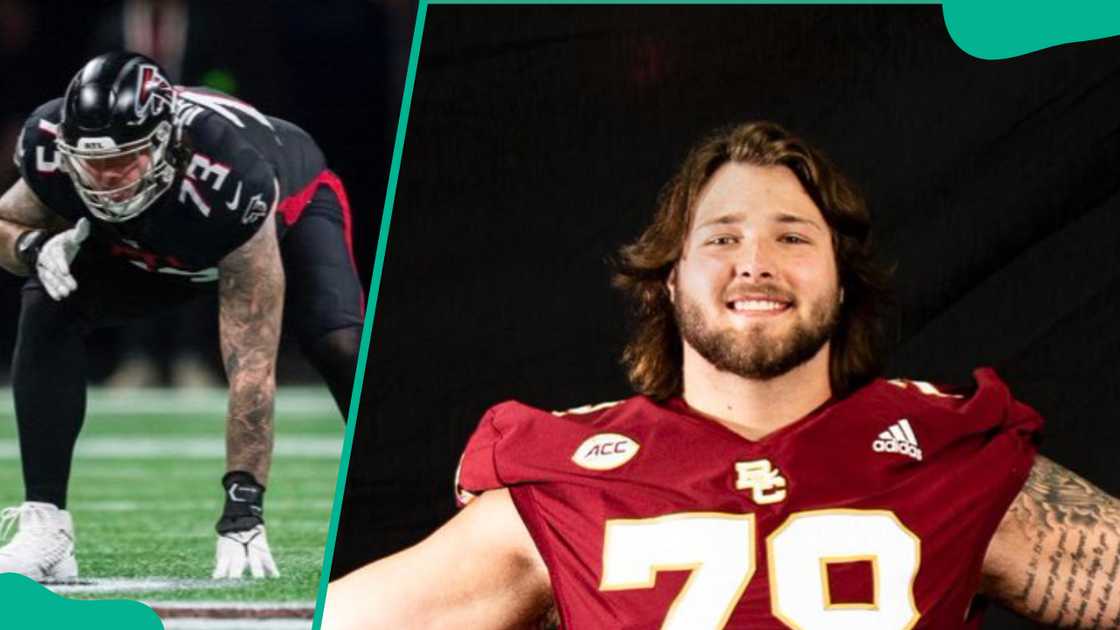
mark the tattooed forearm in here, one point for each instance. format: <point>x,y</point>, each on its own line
<point>251,298</point>
<point>21,210</point>
<point>1056,554</point>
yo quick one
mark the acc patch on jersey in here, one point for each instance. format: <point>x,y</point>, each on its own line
<point>605,451</point>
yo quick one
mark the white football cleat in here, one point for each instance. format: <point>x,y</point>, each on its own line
<point>43,547</point>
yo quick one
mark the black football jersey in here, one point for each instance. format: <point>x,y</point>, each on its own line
<point>235,165</point>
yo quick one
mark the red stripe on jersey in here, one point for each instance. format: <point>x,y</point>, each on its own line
<point>292,206</point>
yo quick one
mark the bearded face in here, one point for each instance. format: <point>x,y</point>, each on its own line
<point>758,351</point>
<point>756,290</point>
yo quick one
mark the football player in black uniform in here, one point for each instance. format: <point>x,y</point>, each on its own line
<point>138,195</point>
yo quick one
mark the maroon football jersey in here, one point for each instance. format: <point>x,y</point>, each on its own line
<point>871,513</point>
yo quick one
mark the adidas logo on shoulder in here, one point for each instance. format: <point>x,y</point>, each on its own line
<point>898,438</point>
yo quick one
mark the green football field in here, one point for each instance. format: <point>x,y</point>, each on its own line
<point>145,493</point>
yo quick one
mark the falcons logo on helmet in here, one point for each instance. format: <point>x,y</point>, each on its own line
<point>153,92</point>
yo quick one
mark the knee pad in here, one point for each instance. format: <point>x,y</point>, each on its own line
<point>336,347</point>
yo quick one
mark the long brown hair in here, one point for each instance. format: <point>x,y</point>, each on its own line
<point>654,353</point>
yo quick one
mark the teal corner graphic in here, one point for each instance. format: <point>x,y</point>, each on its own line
<point>28,604</point>
<point>1000,29</point>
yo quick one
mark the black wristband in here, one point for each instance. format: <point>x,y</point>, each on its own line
<point>28,246</point>
<point>244,507</point>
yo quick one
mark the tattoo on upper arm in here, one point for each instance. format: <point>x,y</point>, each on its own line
<point>251,293</point>
<point>1074,552</point>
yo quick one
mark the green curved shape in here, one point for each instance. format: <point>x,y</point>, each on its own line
<point>999,29</point>
<point>28,604</point>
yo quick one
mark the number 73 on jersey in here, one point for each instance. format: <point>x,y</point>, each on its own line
<point>719,550</point>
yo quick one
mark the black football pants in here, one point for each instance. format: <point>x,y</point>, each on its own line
<point>323,309</point>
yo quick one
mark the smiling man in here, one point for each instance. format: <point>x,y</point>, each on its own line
<point>755,295</point>
<point>764,477</point>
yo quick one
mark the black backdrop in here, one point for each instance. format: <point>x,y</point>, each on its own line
<point>539,137</point>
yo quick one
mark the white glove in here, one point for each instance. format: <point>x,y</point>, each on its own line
<point>236,550</point>
<point>53,266</point>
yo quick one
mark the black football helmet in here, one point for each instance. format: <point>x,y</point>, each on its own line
<point>117,117</point>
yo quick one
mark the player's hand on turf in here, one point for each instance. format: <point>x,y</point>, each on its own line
<point>244,549</point>
<point>53,264</point>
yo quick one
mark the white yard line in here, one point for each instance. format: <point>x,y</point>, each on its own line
<point>147,447</point>
<point>237,624</point>
<point>290,401</point>
<point>183,506</point>
<point>101,586</point>
<point>224,605</point>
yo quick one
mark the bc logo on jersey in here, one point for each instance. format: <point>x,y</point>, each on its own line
<point>766,483</point>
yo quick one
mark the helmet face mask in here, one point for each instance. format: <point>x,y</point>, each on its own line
<point>116,135</point>
<point>118,182</point>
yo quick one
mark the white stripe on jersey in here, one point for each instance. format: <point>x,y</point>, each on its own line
<point>219,105</point>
